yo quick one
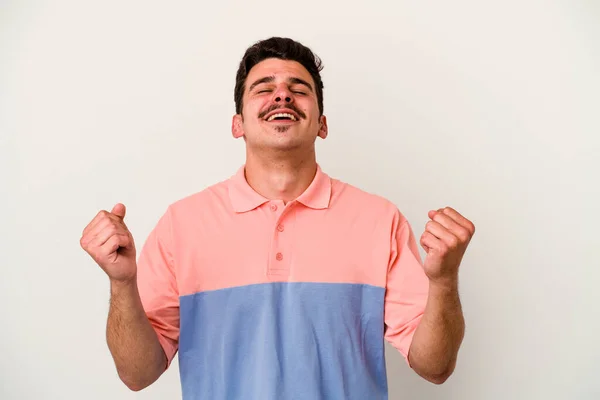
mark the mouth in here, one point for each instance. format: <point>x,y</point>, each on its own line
<point>280,116</point>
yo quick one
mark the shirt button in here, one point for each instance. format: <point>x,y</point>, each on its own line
<point>280,228</point>
<point>273,207</point>
<point>279,256</point>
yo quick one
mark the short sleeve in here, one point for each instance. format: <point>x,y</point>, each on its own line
<point>158,286</point>
<point>407,287</point>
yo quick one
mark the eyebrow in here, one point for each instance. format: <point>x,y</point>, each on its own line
<point>266,79</point>
<point>269,79</point>
<point>299,81</point>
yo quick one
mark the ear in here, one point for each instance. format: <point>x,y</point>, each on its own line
<point>323,127</point>
<point>237,128</point>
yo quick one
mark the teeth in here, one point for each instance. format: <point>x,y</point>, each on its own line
<point>279,115</point>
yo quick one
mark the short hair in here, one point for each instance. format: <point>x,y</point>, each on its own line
<point>284,49</point>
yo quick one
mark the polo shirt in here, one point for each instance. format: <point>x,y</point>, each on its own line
<point>271,301</point>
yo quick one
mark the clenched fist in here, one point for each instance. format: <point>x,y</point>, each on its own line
<point>445,240</point>
<point>108,241</point>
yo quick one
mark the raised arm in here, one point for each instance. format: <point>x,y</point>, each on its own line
<point>437,339</point>
<point>133,343</point>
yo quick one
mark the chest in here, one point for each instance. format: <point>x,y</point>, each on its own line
<point>294,245</point>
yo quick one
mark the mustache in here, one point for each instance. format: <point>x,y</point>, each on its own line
<point>276,107</point>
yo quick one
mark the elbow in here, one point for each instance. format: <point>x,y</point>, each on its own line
<point>134,387</point>
<point>140,376</point>
<point>437,379</point>
<point>437,375</point>
<point>134,384</point>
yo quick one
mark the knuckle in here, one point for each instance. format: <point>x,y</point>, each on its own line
<point>111,229</point>
<point>453,242</point>
<point>93,254</point>
<point>463,235</point>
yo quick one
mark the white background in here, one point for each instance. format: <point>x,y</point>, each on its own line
<point>489,107</point>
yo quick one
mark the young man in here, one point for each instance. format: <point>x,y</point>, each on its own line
<point>281,282</point>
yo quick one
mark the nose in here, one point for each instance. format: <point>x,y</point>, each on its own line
<point>283,93</point>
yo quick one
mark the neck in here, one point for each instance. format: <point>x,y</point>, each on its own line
<point>280,178</point>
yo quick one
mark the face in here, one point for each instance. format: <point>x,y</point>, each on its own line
<point>280,109</point>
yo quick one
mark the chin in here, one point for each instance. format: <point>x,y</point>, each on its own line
<point>281,138</point>
<point>284,144</point>
<point>287,145</point>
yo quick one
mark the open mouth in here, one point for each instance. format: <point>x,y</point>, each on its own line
<point>282,117</point>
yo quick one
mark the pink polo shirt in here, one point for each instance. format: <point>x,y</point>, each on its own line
<point>266,300</point>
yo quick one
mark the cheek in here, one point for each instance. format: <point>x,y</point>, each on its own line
<point>254,107</point>
<point>311,108</point>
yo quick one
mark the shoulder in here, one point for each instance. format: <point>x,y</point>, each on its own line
<point>203,201</point>
<point>368,203</point>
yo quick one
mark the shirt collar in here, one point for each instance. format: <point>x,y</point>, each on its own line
<point>243,198</point>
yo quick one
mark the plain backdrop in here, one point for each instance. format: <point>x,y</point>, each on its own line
<point>492,108</point>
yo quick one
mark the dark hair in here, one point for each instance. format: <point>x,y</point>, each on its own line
<point>284,49</point>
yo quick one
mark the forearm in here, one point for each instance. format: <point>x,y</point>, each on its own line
<point>436,342</point>
<point>132,341</point>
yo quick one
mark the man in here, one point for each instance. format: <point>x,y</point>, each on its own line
<point>281,282</point>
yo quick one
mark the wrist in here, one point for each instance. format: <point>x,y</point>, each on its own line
<point>446,285</point>
<point>444,296</point>
<point>119,285</point>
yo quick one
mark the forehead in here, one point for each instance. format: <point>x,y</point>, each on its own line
<point>280,69</point>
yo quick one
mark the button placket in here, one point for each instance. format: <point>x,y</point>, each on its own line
<point>280,254</point>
